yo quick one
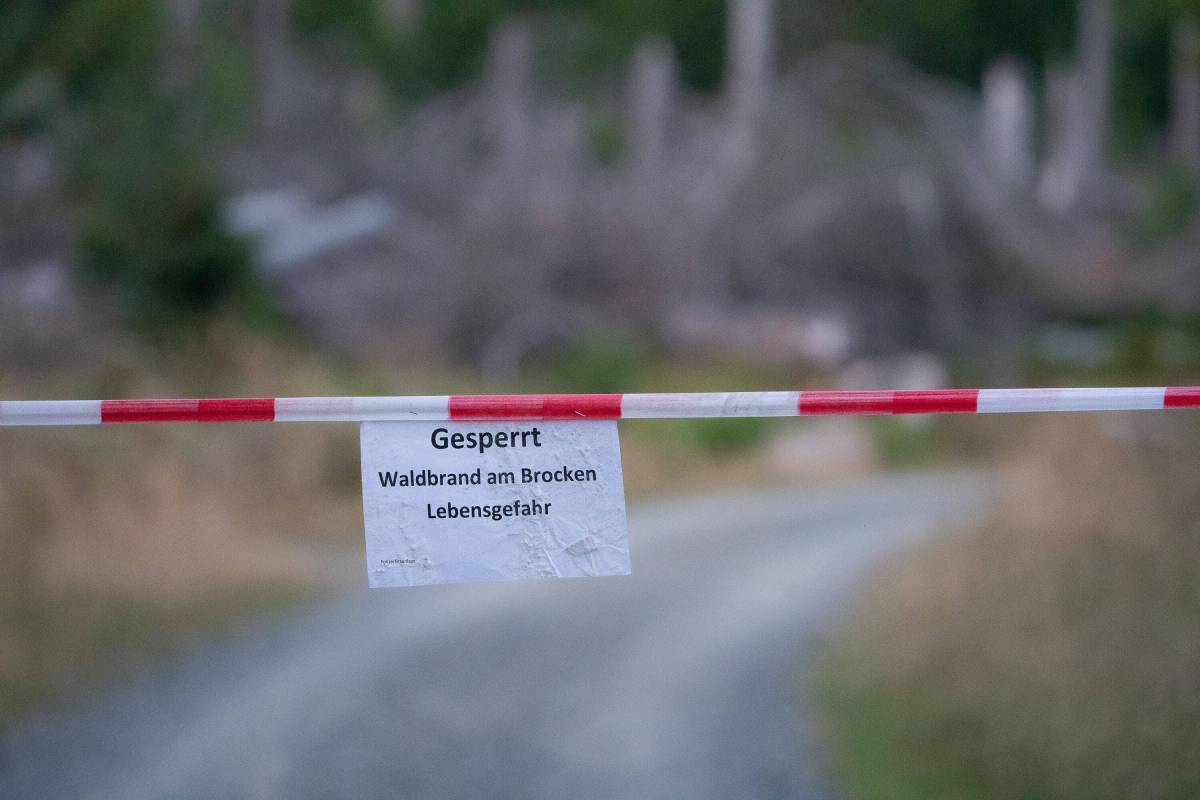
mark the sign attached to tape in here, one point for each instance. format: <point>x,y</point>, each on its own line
<point>482,501</point>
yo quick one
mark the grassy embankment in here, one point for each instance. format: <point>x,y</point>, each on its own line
<point>118,544</point>
<point>1052,652</point>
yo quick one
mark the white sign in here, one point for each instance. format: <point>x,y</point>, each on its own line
<point>448,502</point>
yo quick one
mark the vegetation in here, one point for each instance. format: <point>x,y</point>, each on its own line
<point>1048,654</point>
<point>599,363</point>
<point>119,546</point>
<point>445,43</point>
<point>960,38</point>
<point>140,110</point>
<point>162,247</point>
<point>136,126</point>
<point>1172,209</point>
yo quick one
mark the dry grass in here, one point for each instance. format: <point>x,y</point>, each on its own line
<point>119,543</point>
<point>1053,652</point>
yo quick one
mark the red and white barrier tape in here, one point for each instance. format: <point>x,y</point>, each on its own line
<point>593,406</point>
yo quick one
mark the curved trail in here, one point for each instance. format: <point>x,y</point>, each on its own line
<point>682,681</point>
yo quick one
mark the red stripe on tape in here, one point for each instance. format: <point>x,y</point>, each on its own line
<point>536,406</point>
<point>496,406</point>
<point>249,409</point>
<point>239,409</point>
<point>943,401</point>
<point>1181,397</point>
<point>149,410</point>
<point>582,406</point>
<point>845,403</point>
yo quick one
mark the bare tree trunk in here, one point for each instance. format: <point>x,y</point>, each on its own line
<point>509,98</point>
<point>1063,100</point>
<point>182,55</point>
<point>501,196</point>
<point>1084,93</point>
<point>1098,34</point>
<point>652,97</point>
<point>918,196</point>
<point>500,265</point>
<point>1007,124</point>
<point>748,75</point>
<point>276,64</point>
<point>749,72</point>
<point>1185,95</point>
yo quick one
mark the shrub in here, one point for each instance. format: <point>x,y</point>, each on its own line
<point>164,251</point>
<point>730,434</point>
<point>445,41</point>
<point>599,363</point>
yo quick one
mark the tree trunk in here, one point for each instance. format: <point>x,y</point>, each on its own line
<point>1007,123</point>
<point>1083,95</point>
<point>276,65</point>
<point>510,101</point>
<point>652,97</point>
<point>750,55</point>
<point>1185,95</point>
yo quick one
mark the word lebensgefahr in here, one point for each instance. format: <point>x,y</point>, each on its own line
<point>493,511</point>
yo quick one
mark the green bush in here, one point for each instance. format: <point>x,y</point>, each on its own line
<point>599,364</point>
<point>960,38</point>
<point>139,150</point>
<point>153,232</point>
<point>906,442</point>
<point>446,42</point>
<point>724,436</point>
<point>164,251</point>
<point>606,140</point>
<point>1173,206</point>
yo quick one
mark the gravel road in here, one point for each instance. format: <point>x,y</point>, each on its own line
<point>685,680</point>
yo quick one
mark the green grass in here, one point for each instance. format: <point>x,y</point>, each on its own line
<point>909,443</point>
<point>899,740</point>
<point>79,643</point>
<point>1048,651</point>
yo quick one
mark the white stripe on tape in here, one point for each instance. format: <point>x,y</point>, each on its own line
<point>50,412</point>
<point>711,404</point>
<point>993,401</point>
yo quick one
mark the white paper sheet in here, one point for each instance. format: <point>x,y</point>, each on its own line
<point>482,501</point>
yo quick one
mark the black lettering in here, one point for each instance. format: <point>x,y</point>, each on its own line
<point>482,441</point>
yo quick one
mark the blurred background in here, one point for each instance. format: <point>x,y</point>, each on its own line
<point>306,197</point>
